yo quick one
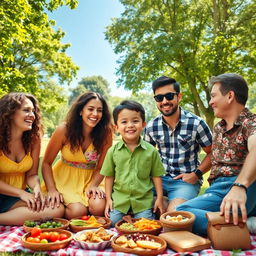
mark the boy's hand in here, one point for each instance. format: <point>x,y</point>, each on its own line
<point>159,204</point>
<point>108,207</point>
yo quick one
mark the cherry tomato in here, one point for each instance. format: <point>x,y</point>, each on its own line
<point>63,237</point>
<point>44,241</point>
<point>36,232</point>
<point>45,235</point>
<point>54,236</point>
<point>30,239</point>
<point>85,217</point>
<point>36,240</point>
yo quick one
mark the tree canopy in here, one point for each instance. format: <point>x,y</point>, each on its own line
<point>188,40</point>
<point>31,51</point>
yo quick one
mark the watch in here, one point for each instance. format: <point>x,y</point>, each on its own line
<point>198,173</point>
<point>239,185</point>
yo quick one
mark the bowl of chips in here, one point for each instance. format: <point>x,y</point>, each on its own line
<point>142,225</point>
<point>177,220</point>
<point>93,222</point>
<point>94,239</point>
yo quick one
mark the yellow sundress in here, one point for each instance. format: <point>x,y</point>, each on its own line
<point>14,173</point>
<point>73,173</point>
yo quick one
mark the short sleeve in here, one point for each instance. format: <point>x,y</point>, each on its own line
<point>204,134</point>
<point>108,166</point>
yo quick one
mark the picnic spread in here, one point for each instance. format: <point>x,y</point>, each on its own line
<point>11,236</point>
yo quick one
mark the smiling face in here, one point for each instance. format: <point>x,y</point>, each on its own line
<point>24,117</point>
<point>219,102</point>
<point>92,113</point>
<point>168,107</point>
<point>130,125</point>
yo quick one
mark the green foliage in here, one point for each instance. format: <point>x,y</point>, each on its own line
<point>188,40</point>
<point>91,83</point>
<point>31,51</point>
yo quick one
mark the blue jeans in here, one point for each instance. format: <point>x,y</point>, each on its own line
<point>116,215</point>
<point>211,200</point>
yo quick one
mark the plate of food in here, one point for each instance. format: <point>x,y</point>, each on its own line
<point>89,222</point>
<point>46,224</point>
<point>177,220</point>
<point>139,244</point>
<point>38,240</point>
<point>146,226</point>
<point>95,239</point>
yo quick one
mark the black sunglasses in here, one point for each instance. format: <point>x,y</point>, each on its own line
<point>168,96</point>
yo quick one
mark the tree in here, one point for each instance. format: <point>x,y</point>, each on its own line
<point>188,40</point>
<point>91,83</point>
<point>31,51</point>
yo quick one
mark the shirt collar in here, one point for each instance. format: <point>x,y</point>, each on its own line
<point>141,144</point>
<point>239,119</point>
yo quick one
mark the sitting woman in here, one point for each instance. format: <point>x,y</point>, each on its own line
<point>83,141</point>
<point>20,137</point>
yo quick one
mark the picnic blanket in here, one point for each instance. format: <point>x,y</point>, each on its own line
<point>10,237</point>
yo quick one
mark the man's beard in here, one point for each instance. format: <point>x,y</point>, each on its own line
<point>173,111</point>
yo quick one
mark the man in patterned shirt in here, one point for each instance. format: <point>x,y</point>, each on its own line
<point>233,173</point>
<point>179,135</point>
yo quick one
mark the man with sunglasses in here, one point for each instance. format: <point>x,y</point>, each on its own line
<point>179,135</point>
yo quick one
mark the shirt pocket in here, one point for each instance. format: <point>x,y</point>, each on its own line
<point>184,141</point>
<point>144,169</point>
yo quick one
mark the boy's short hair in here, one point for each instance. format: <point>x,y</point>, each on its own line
<point>232,82</point>
<point>131,105</point>
<point>165,80</point>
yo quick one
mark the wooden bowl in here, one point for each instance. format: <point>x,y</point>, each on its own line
<point>64,222</point>
<point>105,225</point>
<point>170,225</point>
<point>143,252</point>
<point>156,231</point>
<point>49,246</point>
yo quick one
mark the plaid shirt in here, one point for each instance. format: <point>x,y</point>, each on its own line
<point>179,148</point>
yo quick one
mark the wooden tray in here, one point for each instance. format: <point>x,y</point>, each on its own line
<point>75,228</point>
<point>64,222</point>
<point>142,252</point>
<point>178,225</point>
<point>47,247</point>
<point>125,231</point>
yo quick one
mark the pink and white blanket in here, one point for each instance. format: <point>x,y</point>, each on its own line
<point>10,237</point>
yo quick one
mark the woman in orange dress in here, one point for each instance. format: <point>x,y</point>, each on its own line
<point>83,140</point>
<point>20,137</point>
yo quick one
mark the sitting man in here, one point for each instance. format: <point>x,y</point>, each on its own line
<point>233,174</point>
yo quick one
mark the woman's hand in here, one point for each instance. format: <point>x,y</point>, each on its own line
<point>91,192</point>
<point>39,197</point>
<point>33,203</point>
<point>54,199</point>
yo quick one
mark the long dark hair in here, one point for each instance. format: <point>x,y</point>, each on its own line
<point>9,103</point>
<point>74,123</point>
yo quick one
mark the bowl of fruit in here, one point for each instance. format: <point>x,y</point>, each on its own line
<point>177,220</point>
<point>142,225</point>
<point>89,222</point>
<point>139,244</point>
<point>46,224</point>
<point>39,240</point>
<point>94,239</point>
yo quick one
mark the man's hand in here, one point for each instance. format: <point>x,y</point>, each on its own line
<point>190,178</point>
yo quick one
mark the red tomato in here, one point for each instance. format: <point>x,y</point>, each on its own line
<point>63,237</point>
<point>45,235</point>
<point>54,236</point>
<point>36,232</point>
<point>85,217</point>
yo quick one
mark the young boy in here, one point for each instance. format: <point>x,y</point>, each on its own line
<point>130,166</point>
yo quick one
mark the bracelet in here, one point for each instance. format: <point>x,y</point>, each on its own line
<point>198,173</point>
<point>239,185</point>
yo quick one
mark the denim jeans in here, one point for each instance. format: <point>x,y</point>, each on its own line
<point>211,201</point>
<point>116,215</point>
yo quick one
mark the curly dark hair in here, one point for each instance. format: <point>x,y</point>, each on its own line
<point>9,103</point>
<point>74,123</point>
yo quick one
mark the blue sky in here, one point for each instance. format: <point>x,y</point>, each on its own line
<point>84,28</point>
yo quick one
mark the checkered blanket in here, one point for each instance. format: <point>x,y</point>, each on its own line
<point>10,237</point>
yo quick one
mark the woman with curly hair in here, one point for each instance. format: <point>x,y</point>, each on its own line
<point>20,136</point>
<point>83,140</point>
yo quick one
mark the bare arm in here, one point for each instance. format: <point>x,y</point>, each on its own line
<point>54,146</point>
<point>157,180</point>
<point>236,197</point>
<point>203,167</point>
<point>109,181</point>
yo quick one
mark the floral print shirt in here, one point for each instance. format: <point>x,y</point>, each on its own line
<point>229,148</point>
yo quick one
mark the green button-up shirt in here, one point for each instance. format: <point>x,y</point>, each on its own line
<point>132,171</point>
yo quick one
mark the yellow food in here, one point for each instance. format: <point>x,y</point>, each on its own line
<point>148,244</point>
